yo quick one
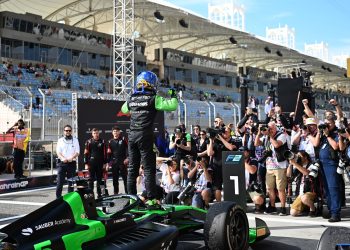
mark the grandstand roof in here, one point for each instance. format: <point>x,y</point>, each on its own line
<point>201,37</point>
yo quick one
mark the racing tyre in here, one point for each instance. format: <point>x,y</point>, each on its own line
<point>226,227</point>
<point>334,238</point>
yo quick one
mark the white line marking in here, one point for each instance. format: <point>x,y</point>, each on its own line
<point>23,203</point>
<point>292,220</point>
<point>29,191</point>
<point>13,217</point>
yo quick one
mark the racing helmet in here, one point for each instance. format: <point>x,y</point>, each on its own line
<point>146,81</point>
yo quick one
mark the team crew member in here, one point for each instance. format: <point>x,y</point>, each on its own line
<point>95,158</point>
<point>117,154</point>
<point>67,150</point>
<point>143,106</point>
<point>20,142</point>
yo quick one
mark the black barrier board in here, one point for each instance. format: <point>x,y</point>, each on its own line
<point>12,185</point>
<point>103,115</point>
<point>234,177</point>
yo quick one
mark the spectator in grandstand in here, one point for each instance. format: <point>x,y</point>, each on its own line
<point>217,144</point>
<point>328,147</point>
<point>170,181</point>
<point>202,174</point>
<point>67,150</point>
<point>311,190</point>
<point>276,166</point>
<point>20,142</point>
<point>95,159</point>
<point>143,106</point>
<point>117,153</point>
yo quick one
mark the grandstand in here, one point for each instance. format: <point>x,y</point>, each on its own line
<point>44,61</point>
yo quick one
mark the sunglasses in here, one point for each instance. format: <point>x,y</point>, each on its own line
<point>216,121</point>
<point>202,134</point>
<point>68,131</point>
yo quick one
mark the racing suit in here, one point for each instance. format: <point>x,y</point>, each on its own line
<point>143,109</point>
<point>95,155</point>
<point>116,154</point>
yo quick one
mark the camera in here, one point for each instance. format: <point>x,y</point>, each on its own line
<point>341,166</point>
<point>265,154</point>
<point>291,156</point>
<point>213,132</point>
<point>255,187</point>
<point>263,128</point>
<point>178,141</point>
<point>313,168</point>
<point>342,131</point>
<point>322,126</point>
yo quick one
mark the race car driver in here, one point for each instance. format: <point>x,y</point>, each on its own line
<point>143,106</point>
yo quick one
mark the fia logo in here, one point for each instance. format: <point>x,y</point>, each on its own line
<point>27,231</point>
<point>233,158</point>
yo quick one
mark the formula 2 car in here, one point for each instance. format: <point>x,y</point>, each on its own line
<point>334,238</point>
<point>78,221</point>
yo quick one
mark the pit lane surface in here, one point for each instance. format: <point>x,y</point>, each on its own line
<point>287,233</point>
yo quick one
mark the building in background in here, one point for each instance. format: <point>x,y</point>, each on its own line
<point>227,13</point>
<point>284,36</point>
<point>318,50</point>
<point>340,60</point>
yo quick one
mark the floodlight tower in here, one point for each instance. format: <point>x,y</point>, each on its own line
<point>123,47</point>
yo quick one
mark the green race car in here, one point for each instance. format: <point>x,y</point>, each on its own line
<point>78,221</point>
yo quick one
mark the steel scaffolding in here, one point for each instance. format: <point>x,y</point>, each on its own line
<point>123,47</point>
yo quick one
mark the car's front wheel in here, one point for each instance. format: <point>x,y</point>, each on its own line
<point>226,227</point>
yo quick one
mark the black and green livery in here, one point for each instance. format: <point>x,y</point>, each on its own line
<point>78,221</point>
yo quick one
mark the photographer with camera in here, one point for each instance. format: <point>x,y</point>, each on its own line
<point>304,137</point>
<point>202,173</point>
<point>170,181</point>
<point>329,145</point>
<point>310,184</point>
<point>219,141</point>
<point>181,142</point>
<point>262,151</point>
<point>276,169</point>
<point>253,188</point>
<point>249,117</point>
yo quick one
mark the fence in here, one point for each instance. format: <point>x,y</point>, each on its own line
<point>15,103</point>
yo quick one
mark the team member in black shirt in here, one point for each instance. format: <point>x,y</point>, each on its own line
<point>95,159</point>
<point>117,154</point>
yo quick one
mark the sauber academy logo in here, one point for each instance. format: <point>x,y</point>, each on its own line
<point>27,231</point>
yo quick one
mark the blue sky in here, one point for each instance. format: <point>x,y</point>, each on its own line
<point>313,20</point>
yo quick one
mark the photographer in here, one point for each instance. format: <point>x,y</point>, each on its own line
<point>276,169</point>
<point>253,188</point>
<point>328,144</point>
<point>203,193</point>
<point>262,151</point>
<point>217,144</point>
<point>249,115</point>
<point>310,185</point>
<point>303,138</point>
<point>170,181</point>
<point>181,142</point>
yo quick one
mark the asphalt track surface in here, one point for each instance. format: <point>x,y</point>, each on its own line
<point>287,232</point>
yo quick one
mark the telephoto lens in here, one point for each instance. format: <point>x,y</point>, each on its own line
<point>313,168</point>
<point>178,141</point>
<point>289,155</point>
<point>341,167</point>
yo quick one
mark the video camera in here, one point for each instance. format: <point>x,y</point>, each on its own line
<point>213,132</point>
<point>190,189</point>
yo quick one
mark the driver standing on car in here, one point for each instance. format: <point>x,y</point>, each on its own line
<point>143,106</point>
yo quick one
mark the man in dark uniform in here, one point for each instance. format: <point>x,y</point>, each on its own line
<point>117,154</point>
<point>143,106</point>
<point>95,158</point>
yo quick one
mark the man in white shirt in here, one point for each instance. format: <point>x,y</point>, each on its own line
<point>67,150</point>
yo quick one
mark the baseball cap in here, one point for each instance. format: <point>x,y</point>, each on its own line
<point>310,121</point>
